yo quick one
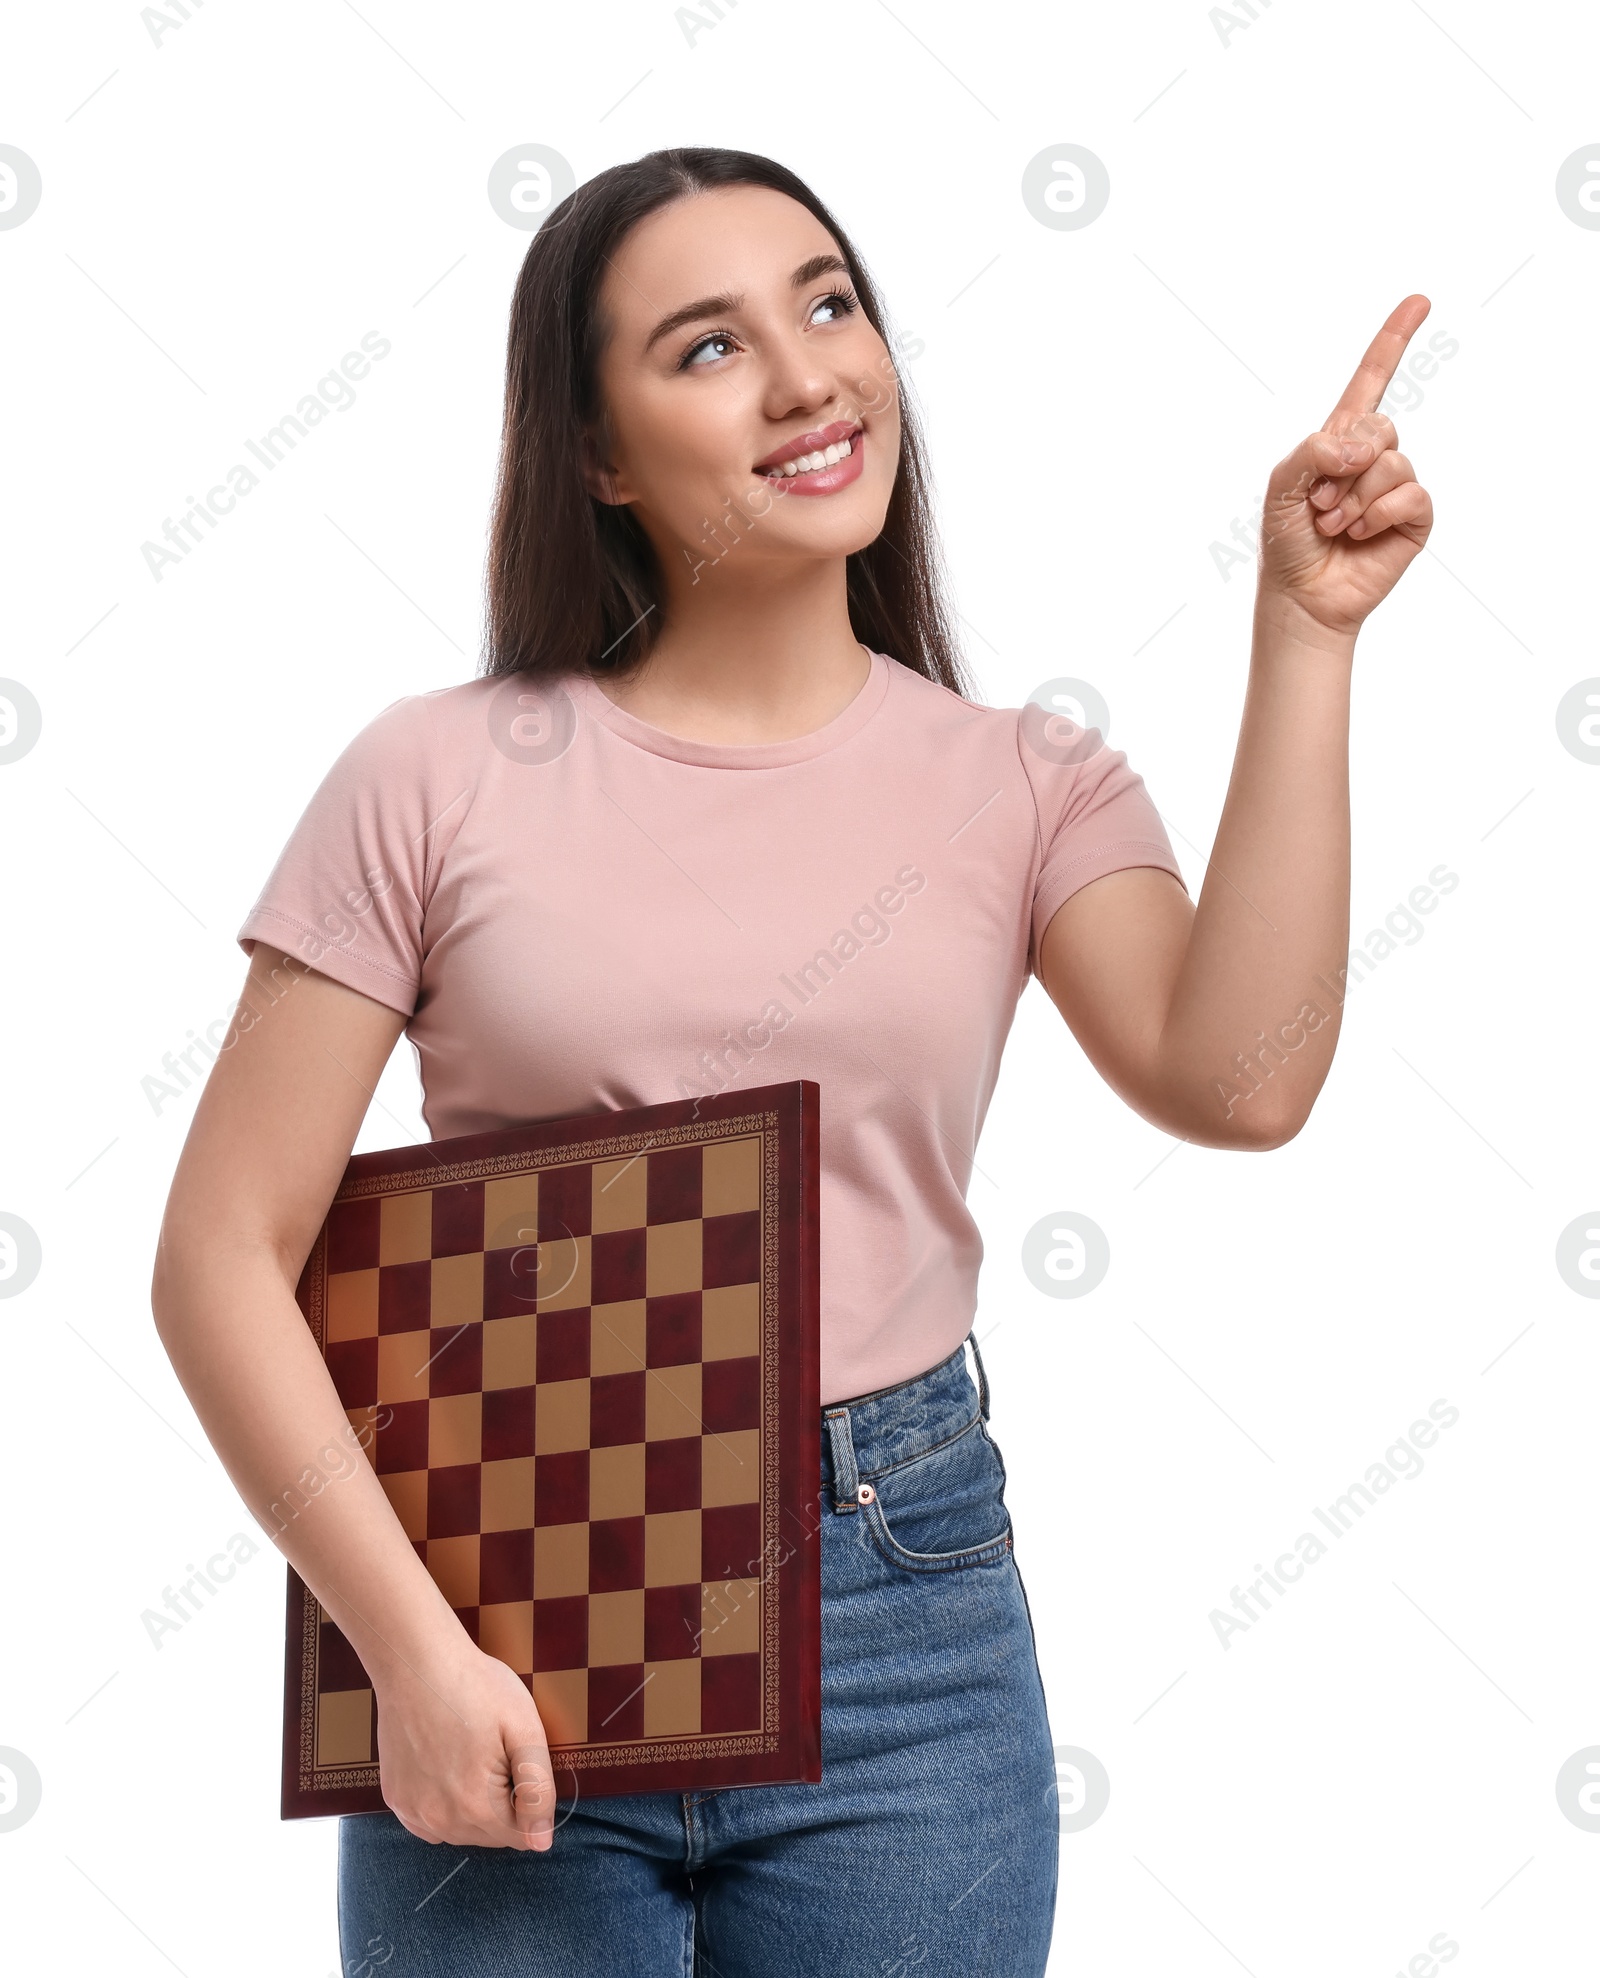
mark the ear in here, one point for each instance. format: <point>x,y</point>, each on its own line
<point>600,475</point>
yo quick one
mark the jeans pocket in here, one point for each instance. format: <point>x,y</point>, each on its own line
<point>944,1509</point>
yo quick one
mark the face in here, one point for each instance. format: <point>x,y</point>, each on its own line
<point>736,344</point>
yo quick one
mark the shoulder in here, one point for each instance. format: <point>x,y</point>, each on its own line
<point>930,705</point>
<point>419,733</point>
<point>1029,744</point>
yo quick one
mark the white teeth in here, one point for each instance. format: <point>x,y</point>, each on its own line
<point>810,463</point>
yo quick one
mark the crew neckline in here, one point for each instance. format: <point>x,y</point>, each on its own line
<point>850,719</point>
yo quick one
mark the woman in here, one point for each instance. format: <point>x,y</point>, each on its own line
<point>720,809</point>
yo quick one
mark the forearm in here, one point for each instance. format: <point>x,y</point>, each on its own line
<point>1254,1014</point>
<point>261,1389</point>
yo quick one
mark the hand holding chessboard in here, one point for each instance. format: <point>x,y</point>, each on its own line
<point>582,1357</point>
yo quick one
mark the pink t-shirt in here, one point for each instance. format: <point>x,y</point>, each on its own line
<point>577,910</point>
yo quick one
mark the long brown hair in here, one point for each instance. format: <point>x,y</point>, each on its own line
<point>571,580</point>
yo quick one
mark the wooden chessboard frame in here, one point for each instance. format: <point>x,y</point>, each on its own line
<point>768,1710</point>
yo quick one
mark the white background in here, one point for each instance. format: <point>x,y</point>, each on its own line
<point>227,209</point>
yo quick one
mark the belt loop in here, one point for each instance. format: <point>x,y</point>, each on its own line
<point>983,1379</point>
<point>845,1481</point>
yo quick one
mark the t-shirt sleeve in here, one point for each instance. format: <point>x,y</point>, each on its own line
<point>1095,816</point>
<point>350,888</point>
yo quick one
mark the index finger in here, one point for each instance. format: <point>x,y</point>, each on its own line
<point>1371,377</point>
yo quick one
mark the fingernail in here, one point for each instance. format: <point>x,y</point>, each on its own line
<point>1333,517</point>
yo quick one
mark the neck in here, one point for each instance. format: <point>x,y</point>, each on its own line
<point>756,655</point>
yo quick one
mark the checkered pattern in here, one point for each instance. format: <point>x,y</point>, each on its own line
<point>565,1370</point>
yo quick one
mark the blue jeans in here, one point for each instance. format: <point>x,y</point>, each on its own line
<point>929,1844</point>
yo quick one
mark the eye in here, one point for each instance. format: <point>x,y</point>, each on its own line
<point>840,300</point>
<point>692,356</point>
<point>837,299</point>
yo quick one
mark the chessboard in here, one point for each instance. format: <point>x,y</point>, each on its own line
<point>582,1358</point>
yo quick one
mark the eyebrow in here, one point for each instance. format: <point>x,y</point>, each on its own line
<point>728,302</point>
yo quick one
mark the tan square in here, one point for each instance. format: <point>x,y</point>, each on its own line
<point>405,1228</point>
<point>344,1727</point>
<point>730,1467</point>
<point>730,1617</point>
<point>731,1177</point>
<point>457,1292</point>
<point>365,1424</point>
<point>407,1492</point>
<point>455,1430</point>
<point>510,1351</point>
<point>563,1276</point>
<point>505,1629</point>
<point>353,1305</point>
<point>616,1337</point>
<point>672,1402</point>
<point>560,1561</point>
<point>560,1416</point>
<point>506,1495</point>
<point>561,1697</point>
<point>452,1565</point>
<point>671,1699</point>
<point>672,1259</point>
<point>616,1481</point>
<point>730,1322</point>
<point>619,1199</point>
<point>510,1211</point>
<point>671,1548</point>
<point>616,1627</point>
<point>403,1366</point>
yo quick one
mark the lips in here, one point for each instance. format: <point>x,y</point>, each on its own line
<point>812,442</point>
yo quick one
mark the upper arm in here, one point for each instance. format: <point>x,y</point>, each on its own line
<point>278,1115</point>
<point>1109,961</point>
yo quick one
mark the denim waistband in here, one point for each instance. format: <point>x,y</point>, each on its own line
<point>869,1433</point>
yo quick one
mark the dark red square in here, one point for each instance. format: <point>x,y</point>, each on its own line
<point>616,1703</point>
<point>616,1409</point>
<point>403,1439</point>
<point>672,1329</point>
<point>458,1219</point>
<point>510,1281</point>
<point>353,1235</point>
<point>405,1297</point>
<point>730,1693</point>
<point>566,1202</point>
<point>453,1500</point>
<point>507,1423</point>
<point>673,1192</point>
<point>731,1249</point>
<point>672,1622</point>
<point>730,1395</point>
<point>563,1345</point>
<point>561,1632</point>
<point>616,1554</point>
<point>455,1359</point>
<point>353,1364</point>
<point>468,1617</point>
<point>616,1266</point>
<point>730,1542</point>
<point>561,1487</point>
<point>505,1567</point>
<point>672,1474</point>
<point>338,1665</point>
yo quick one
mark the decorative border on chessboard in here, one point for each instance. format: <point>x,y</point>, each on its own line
<point>315,1779</point>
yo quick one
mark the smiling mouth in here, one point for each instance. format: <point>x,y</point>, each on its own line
<point>814,462</point>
